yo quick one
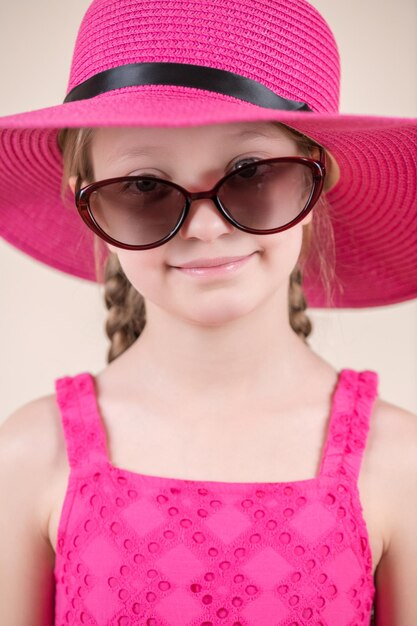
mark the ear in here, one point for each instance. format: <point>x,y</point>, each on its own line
<point>333,169</point>
<point>71,182</point>
<point>333,172</point>
<point>307,219</point>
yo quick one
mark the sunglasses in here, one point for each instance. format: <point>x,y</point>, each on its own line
<point>261,197</point>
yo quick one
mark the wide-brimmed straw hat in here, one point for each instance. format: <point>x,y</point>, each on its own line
<point>194,62</point>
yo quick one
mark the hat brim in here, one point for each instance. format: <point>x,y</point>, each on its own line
<point>373,207</point>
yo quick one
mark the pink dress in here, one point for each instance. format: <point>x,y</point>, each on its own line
<point>159,551</point>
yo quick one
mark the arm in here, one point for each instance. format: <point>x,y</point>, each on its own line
<point>396,575</point>
<point>27,558</point>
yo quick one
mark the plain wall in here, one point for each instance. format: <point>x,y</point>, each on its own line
<point>53,325</point>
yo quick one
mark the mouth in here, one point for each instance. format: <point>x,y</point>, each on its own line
<point>213,262</point>
<point>219,266</point>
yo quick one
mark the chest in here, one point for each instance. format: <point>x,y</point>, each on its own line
<point>236,453</point>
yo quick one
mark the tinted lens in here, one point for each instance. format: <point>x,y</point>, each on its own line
<point>137,212</point>
<point>268,195</point>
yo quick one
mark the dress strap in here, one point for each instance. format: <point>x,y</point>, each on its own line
<point>84,434</point>
<point>352,406</point>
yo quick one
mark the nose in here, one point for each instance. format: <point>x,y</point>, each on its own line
<point>204,221</point>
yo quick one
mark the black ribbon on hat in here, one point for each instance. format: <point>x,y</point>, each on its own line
<point>184,75</point>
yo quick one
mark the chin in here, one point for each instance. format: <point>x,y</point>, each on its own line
<point>219,314</point>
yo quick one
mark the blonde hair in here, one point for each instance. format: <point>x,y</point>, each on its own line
<point>127,312</point>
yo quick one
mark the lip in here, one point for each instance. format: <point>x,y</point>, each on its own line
<point>215,269</point>
<point>214,262</point>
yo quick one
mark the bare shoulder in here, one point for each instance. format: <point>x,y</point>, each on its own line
<point>393,433</point>
<point>392,451</point>
<point>31,449</point>
<point>32,431</point>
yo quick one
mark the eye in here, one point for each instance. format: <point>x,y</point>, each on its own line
<point>249,171</point>
<point>242,162</point>
<point>143,184</point>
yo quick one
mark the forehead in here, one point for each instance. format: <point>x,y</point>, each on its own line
<point>171,136</point>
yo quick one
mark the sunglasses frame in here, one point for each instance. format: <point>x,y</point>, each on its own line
<point>317,167</point>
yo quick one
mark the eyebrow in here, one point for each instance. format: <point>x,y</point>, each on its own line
<point>150,150</point>
<point>251,134</point>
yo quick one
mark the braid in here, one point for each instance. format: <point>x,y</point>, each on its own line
<point>127,314</point>
<point>299,321</point>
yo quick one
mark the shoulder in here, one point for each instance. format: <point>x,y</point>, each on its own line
<point>31,430</point>
<point>28,449</point>
<point>32,447</point>
<point>392,451</point>
<point>393,434</point>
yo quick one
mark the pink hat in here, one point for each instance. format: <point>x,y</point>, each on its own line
<point>193,62</point>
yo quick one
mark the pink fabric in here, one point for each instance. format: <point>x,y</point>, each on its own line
<point>286,46</point>
<point>158,551</point>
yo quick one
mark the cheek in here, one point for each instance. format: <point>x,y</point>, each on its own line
<point>143,268</point>
<point>283,249</point>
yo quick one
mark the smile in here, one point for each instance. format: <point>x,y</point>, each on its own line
<point>216,270</point>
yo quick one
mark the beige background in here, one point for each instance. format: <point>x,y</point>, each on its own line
<point>53,325</point>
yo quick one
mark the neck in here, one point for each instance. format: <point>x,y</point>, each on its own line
<point>251,356</point>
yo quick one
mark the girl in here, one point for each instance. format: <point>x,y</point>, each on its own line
<point>217,471</point>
